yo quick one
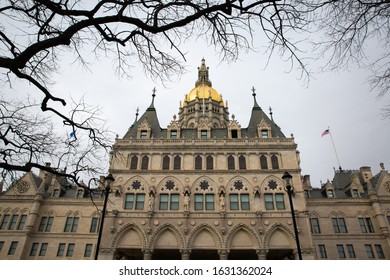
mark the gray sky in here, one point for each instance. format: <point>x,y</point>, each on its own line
<point>339,100</point>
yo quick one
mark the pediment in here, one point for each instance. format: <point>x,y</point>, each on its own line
<point>26,185</point>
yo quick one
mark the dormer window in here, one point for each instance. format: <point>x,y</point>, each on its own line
<point>203,134</point>
<point>234,133</point>
<point>80,193</point>
<point>355,193</point>
<point>56,193</point>
<point>264,133</point>
<point>330,193</point>
<point>143,134</point>
<point>173,134</point>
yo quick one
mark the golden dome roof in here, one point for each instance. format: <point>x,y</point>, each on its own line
<point>203,91</point>
<point>203,88</point>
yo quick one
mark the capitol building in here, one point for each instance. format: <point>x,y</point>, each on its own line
<point>203,188</point>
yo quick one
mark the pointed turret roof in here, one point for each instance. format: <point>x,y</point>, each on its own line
<point>257,116</point>
<point>150,116</point>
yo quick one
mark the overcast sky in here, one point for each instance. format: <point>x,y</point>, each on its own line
<point>339,100</point>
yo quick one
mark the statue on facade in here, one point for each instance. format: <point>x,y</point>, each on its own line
<point>151,202</point>
<point>186,202</point>
<point>221,203</point>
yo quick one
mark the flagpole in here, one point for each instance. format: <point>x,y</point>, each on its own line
<point>334,147</point>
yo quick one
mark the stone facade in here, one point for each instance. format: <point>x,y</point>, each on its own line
<point>202,188</point>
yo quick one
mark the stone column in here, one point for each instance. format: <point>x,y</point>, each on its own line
<point>147,254</point>
<point>185,254</point>
<point>223,254</point>
<point>261,254</point>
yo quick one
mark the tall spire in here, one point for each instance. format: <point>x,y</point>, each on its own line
<point>254,97</point>
<point>153,96</point>
<point>203,75</point>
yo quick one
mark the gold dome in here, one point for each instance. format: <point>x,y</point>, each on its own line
<point>203,91</point>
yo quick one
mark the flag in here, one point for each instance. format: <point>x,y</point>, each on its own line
<point>325,132</point>
<point>72,134</point>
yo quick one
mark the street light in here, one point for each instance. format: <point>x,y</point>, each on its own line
<point>108,181</point>
<point>287,179</point>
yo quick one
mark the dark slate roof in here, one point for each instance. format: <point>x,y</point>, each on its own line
<point>257,116</point>
<point>151,116</point>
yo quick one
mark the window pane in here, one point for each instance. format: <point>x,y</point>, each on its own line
<point>12,224</point>
<point>209,201</point>
<point>231,165</point>
<point>279,199</point>
<point>379,251</point>
<point>134,162</point>
<point>274,162</point>
<point>315,226</point>
<point>335,225</point>
<point>263,162</point>
<point>68,224</point>
<point>140,201</point>
<point>42,224</point>
<point>49,224</point>
<point>163,202</point>
<point>70,250</point>
<point>340,251</point>
<point>269,201</point>
<point>75,224</point>
<point>198,202</point>
<point>175,201</point>
<point>362,225</point>
<point>145,163</point>
<point>61,249</point>
<point>209,163</point>
<point>198,162</point>
<point>351,251</point>
<point>4,222</point>
<point>177,163</point>
<point>369,225</point>
<point>244,202</point>
<point>166,161</point>
<point>370,253</point>
<point>12,248</point>
<point>34,249</point>
<point>129,202</point>
<point>342,225</point>
<point>22,222</point>
<point>1,245</point>
<point>233,198</point>
<point>242,162</point>
<point>88,250</point>
<point>322,251</point>
<point>43,250</point>
<point>94,225</point>
<point>173,134</point>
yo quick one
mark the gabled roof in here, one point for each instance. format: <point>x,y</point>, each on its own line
<point>150,116</point>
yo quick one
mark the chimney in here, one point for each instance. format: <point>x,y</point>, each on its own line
<point>366,174</point>
<point>306,182</point>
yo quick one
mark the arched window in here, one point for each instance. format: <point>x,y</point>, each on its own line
<point>145,163</point>
<point>210,162</point>
<point>242,162</point>
<point>166,161</point>
<point>177,163</point>
<point>263,162</point>
<point>274,162</point>
<point>134,162</point>
<point>198,162</point>
<point>231,164</point>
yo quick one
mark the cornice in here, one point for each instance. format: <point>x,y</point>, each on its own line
<point>230,172</point>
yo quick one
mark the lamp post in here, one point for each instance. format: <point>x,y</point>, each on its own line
<point>108,181</point>
<point>287,179</point>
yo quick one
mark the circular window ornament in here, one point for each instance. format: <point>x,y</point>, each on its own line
<point>22,186</point>
<point>136,185</point>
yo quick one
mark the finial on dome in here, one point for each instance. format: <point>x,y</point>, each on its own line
<point>203,75</point>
